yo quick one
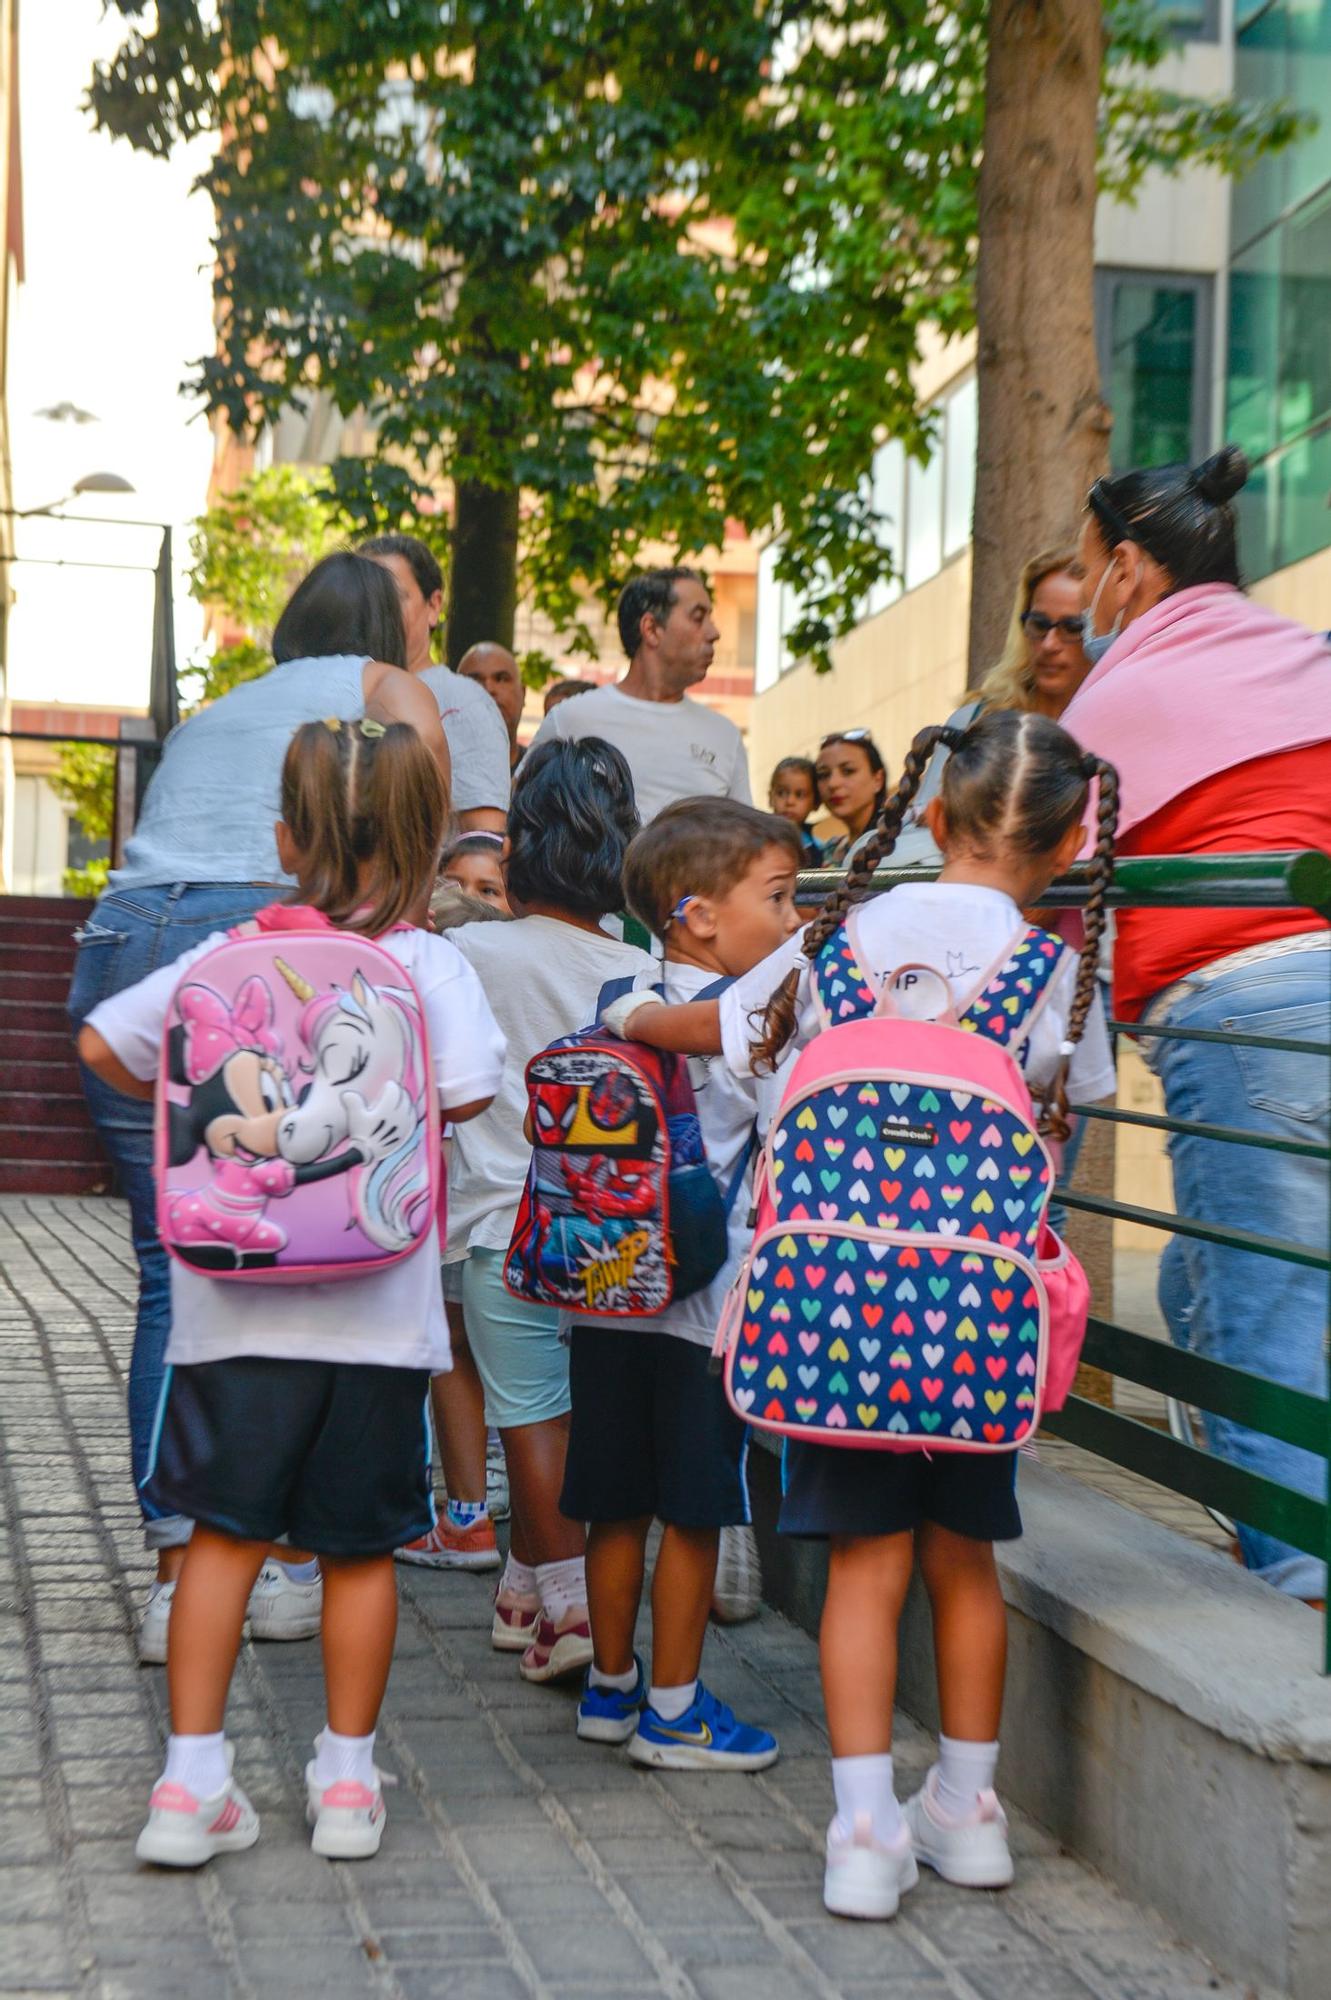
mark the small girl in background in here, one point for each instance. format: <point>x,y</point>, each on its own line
<point>299,1410</point>
<point>793,795</point>
<point>571,819</point>
<point>474,862</point>
<point>1008,819</point>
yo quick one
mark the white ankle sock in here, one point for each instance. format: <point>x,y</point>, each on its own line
<point>306,1572</point>
<point>198,1763</point>
<point>671,1703</point>
<point>519,1580</point>
<point>622,1683</point>
<point>964,1771</point>
<point>864,1785</point>
<point>563,1586</point>
<point>343,1758</point>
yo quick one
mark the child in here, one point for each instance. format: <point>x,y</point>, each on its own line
<point>652,1434</point>
<point>571,819</point>
<point>296,1409</point>
<point>793,795</point>
<point>1008,819</point>
<point>474,863</point>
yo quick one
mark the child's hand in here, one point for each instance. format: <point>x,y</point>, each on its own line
<point>618,1016</point>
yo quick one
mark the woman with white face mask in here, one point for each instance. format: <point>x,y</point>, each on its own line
<point>1217,713</point>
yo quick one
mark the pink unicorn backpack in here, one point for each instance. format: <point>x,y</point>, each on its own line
<point>297,1122</point>
<point>903,1290</point>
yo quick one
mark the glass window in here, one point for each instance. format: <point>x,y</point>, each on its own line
<point>1282,51</point>
<point>960,439</point>
<point>889,503</point>
<point>924,520</point>
<point>1153,335</point>
<point>767,650</point>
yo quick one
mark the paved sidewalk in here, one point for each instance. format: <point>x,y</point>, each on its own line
<point>517,1862</point>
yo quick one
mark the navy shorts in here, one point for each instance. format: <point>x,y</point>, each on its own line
<point>828,1491</point>
<point>332,1454</point>
<point>651,1433</point>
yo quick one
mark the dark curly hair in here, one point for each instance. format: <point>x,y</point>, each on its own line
<point>570,820</point>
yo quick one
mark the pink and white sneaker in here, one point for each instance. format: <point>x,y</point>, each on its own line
<point>184,1832</point>
<point>973,1852</point>
<point>560,1649</point>
<point>865,1877</point>
<point>348,1818</point>
<point>513,1626</point>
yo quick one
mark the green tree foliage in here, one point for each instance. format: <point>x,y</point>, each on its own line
<point>85,779</point>
<point>249,550</point>
<point>653,267</point>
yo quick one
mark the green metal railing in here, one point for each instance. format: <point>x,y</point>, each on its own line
<point>1228,881</point>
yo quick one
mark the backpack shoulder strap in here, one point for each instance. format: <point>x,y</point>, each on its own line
<point>614,989</point>
<point>842,990</point>
<point>1011,994</point>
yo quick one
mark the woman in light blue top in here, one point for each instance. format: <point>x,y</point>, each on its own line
<point>204,857</point>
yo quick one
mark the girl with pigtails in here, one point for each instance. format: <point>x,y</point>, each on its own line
<point>1008,818</point>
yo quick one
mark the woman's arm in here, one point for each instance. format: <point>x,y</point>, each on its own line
<point>103,1061</point>
<point>394,695</point>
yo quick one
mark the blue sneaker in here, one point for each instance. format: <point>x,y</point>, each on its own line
<point>706,1737</point>
<point>609,1715</point>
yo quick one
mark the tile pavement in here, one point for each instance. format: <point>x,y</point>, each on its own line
<point>519,1864</point>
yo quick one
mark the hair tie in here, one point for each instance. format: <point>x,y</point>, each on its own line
<point>332,722</point>
<point>371,731</point>
<point>1090,766</point>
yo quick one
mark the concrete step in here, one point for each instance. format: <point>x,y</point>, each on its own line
<point>45,1042</point>
<point>68,909</point>
<point>36,947</point>
<point>54,1177</point>
<point>28,983</point>
<point>65,1106</point>
<point>66,1143</point>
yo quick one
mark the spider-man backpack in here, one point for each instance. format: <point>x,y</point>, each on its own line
<point>621,1213</point>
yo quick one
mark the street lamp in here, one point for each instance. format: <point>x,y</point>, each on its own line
<point>91,482</point>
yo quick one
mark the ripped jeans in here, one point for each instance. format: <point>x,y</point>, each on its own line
<point>1232,1305</point>
<point>131,933</point>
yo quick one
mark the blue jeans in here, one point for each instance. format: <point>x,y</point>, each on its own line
<point>130,933</point>
<point>1231,1305</point>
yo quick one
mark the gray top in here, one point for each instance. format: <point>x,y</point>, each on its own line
<point>477,740</point>
<point>215,797</point>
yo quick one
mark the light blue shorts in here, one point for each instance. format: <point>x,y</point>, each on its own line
<point>523,1364</point>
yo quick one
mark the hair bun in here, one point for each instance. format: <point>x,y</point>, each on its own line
<point>1218,479</point>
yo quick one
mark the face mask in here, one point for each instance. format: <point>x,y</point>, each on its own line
<point>1096,645</point>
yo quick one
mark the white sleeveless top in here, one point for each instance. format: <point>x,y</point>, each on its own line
<point>210,808</point>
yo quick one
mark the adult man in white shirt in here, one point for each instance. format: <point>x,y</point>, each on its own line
<point>477,737</point>
<point>494,668</point>
<point>675,748</point>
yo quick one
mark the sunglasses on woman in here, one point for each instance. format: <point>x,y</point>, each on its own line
<point>1038,626</point>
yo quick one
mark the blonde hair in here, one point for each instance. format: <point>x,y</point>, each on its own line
<point>1010,682</point>
<point>362,796</point>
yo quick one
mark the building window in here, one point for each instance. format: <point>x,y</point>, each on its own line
<point>1153,334</point>
<point>1279,387</point>
<point>1190,20</point>
<point>961,419</point>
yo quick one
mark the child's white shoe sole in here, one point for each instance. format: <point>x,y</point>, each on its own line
<point>867,1885</point>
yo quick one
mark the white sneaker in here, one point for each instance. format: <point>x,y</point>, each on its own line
<point>737,1593</point>
<point>348,1818</point>
<point>973,1853</point>
<point>154,1621</point>
<point>497,1500</point>
<point>184,1832</point>
<point>281,1608</point>
<point>863,1877</point>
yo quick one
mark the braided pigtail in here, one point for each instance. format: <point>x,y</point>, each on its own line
<point>776,1024</point>
<point>1054,1123</point>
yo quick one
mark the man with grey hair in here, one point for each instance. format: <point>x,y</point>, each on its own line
<point>675,748</point>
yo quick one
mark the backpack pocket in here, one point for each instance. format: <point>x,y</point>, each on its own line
<point>1067,1292</point>
<point>886,1341</point>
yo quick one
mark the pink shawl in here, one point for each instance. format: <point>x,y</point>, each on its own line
<point>1204,680</point>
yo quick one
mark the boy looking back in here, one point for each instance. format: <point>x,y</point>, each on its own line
<point>652,1434</point>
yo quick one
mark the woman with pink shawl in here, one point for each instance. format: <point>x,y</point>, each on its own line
<point>1217,713</point>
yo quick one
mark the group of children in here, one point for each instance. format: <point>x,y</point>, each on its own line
<point>294,1412</point>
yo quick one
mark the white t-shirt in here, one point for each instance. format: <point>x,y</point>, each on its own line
<point>675,749</point>
<point>393,1318</point>
<point>728,1107</point>
<point>542,980</point>
<point>959,930</point>
<point>477,740</point>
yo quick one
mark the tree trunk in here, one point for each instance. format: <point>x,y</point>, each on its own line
<point>483,582</point>
<point>1043,428</point>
